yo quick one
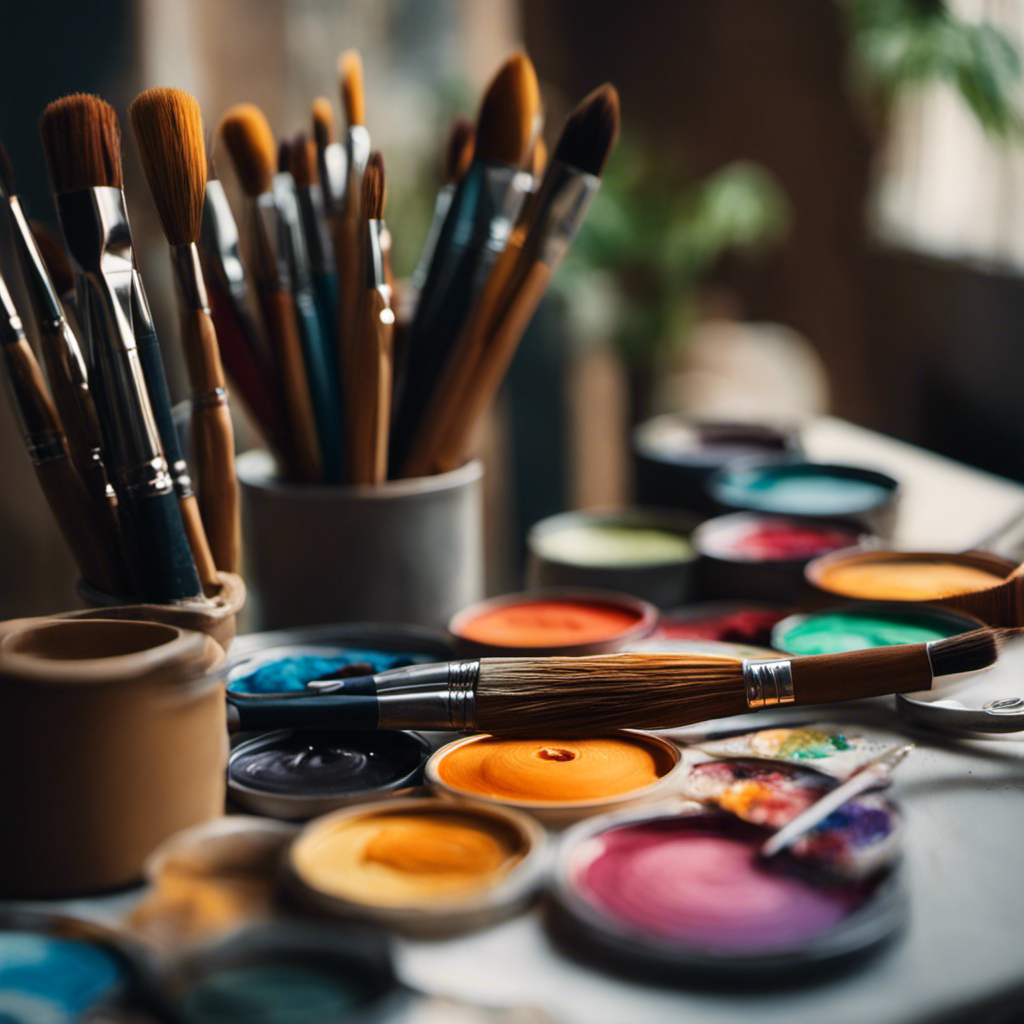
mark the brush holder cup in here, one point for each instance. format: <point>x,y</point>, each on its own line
<point>408,551</point>
<point>215,615</point>
<point>113,737</point>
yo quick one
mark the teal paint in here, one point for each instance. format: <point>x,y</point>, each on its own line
<point>800,490</point>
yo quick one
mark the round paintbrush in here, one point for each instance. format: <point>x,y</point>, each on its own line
<point>169,130</point>
<point>591,695</point>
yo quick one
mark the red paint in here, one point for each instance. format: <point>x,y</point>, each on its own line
<point>778,541</point>
<point>741,627</point>
<point>548,624</point>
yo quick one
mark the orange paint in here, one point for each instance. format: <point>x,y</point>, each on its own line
<point>548,624</point>
<point>554,771</point>
<point>893,580</point>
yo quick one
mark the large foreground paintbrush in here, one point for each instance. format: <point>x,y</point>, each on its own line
<point>590,695</point>
<point>169,130</point>
<point>474,233</point>
<point>516,284</point>
<point>82,145</point>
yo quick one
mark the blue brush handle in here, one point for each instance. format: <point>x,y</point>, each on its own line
<point>301,712</point>
<point>168,570</point>
<point>325,287</point>
<point>323,385</point>
<point>152,364</point>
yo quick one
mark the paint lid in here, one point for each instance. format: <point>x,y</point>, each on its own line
<point>409,840</point>
<point>623,944</point>
<point>390,762</point>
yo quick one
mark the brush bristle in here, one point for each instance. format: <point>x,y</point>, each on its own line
<point>284,156</point>
<point>55,256</point>
<point>509,114</point>
<point>302,162</point>
<point>458,151</point>
<point>353,95</point>
<point>590,133</point>
<point>323,122</point>
<point>6,173</point>
<point>588,696</point>
<point>968,652</point>
<point>82,142</point>
<point>250,144</point>
<point>168,127</point>
<point>374,188</point>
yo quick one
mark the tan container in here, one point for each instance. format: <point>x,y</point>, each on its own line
<point>112,738</point>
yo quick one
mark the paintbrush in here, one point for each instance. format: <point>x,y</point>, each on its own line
<point>875,773</point>
<point>369,397</point>
<point>169,131</point>
<point>516,284</point>
<point>475,231</point>
<point>69,379</point>
<point>331,159</point>
<point>91,538</point>
<point>82,146</point>
<point>321,373</point>
<point>62,274</point>
<point>590,695</point>
<point>250,144</point>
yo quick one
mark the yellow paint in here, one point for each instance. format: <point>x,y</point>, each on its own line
<point>905,581</point>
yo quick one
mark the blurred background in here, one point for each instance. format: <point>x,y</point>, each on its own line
<point>814,208</point>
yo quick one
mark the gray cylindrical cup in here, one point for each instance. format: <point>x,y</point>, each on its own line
<point>407,551</point>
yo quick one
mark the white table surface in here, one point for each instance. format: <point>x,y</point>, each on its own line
<point>962,953</point>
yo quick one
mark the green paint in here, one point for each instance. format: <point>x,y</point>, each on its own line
<point>832,632</point>
<point>613,545</point>
<point>281,993</point>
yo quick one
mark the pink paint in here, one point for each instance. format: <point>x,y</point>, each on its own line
<point>740,627</point>
<point>699,883</point>
<point>779,540</point>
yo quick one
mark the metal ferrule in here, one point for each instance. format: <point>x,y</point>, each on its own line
<point>556,211</point>
<point>769,682</point>
<point>357,156</point>
<point>332,163</point>
<point>188,277</point>
<point>270,264</point>
<point>494,194</point>
<point>450,704</point>
<point>41,292</point>
<point>928,651</point>
<point>219,236</point>
<point>314,229</point>
<point>290,241</point>
<point>441,206</point>
<point>375,276</point>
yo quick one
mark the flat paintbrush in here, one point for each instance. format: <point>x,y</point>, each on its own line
<point>475,231</point>
<point>82,145</point>
<point>516,284</point>
<point>590,695</point>
<point>169,131</point>
<point>250,143</point>
<point>331,159</point>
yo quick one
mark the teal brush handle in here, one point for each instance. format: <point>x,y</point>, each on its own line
<point>168,572</point>
<point>323,385</point>
<point>152,364</point>
<point>302,712</point>
<point>325,288</point>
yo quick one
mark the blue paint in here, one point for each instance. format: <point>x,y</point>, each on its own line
<point>291,674</point>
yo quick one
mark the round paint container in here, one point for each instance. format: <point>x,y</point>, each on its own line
<point>674,457</point>
<point>701,648</point>
<point>285,971</point>
<point>639,551</point>
<point>748,554</point>
<point>546,623</point>
<point>977,702</point>
<point>299,774</point>
<point>685,895</point>
<point>557,781</point>
<point>424,866</point>
<point>721,622</point>
<point>810,490</point>
<point>906,576</point>
<point>862,626</point>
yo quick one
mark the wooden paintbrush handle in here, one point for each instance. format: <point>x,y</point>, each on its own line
<point>213,439</point>
<point>370,404</point>
<point>346,235</point>
<point>199,544</point>
<point>851,675</point>
<point>279,314</point>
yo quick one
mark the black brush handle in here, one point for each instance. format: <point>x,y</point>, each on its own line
<point>302,712</point>
<point>167,569</point>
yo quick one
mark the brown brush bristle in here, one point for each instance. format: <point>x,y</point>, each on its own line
<point>588,696</point>
<point>458,151</point>
<point>302,162</point>
<point>55,256</point>
<point>6,173</point>
<point>590,133</point>
<point>250,144</point>
<point>168,127</point>
<point>82,142</point>
<point>509,114</point>
<point>323,122</point>
<point>374,188</point>
<point>968,652</point>
<point>353,95</point>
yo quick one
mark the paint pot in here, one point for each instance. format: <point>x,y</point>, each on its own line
<point>61,970</point>
<point>558,781</point>
<point>113,737</point>
<point>701,649</point>
<point>685,895</point>
<point>720,622</point>
<point>674,457</point>
<point>763,557</point>
<point>862,626</point>
<point>402,551</point>
<point>978,702</point>
<point>299,774</point>
<point>810,490</point>
<point>559,621</point>
<point>639,551</point>
<point>906,576</point>
<point>211,880</point>
<point>215,615</point>
<point>285,972</point>
<point>424,866</point>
